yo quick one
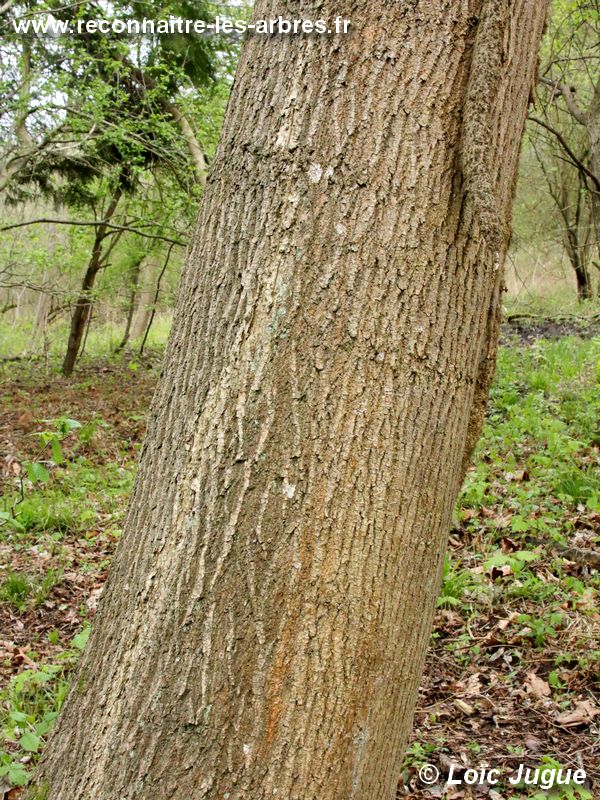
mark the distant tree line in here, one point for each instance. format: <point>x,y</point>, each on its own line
<point>109,134</point>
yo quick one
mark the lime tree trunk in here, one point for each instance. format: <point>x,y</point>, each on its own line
<point>265,623</point>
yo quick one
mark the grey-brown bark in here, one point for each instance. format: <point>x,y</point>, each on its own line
<point>267,616</point>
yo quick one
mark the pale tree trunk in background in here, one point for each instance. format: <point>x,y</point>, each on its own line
<point>134,284</point>
<point>268,613</point>
<point>45,300</point>
<point>146,296</point>
<point>42,311</point>
<point>593,130</point>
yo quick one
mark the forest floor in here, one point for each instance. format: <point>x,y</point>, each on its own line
<point>514,664</point>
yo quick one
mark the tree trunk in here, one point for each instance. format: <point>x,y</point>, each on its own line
<point>584,283</point>
<point>582,276</point>
<point>266,620</point>
<point>134,282</point>
<point>143,315</point>
<point>591,120</point>
<point>593,131</point>
<point>155,298</point>
<point>576,250</point>
<point>84,301</point>
<point>146,297</point>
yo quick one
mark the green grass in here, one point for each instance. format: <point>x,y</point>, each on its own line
<point>19,338</point>
<point>28,707</point>
<point>552,304</point>
<point>536,476</point>
<point>72,501</point>
<point>69,507</point>
<point>459,587</point>
<point>544,417</point>
<point>15,590</point>
<point>22,590</point>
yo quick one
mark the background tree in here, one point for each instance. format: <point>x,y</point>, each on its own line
<point>567,187</point>
<point>567,130</point>
<point>265,624</point>
<point>99,117</point>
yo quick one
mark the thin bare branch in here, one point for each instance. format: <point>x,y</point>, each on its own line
<point>561,139</point>
<point>85,223</point>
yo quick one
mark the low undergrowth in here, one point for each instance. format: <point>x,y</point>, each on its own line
<point>514,664</point>
<point>514,667</point>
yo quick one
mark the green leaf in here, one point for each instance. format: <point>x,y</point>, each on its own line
<point>81,639</point>
<point>66,425</point>
<point>554,680</point>
<point>57,453</point>
<point>519,525</point>
<point>18,716</point>
<point>525,555</point>
<point>499,560</point>
<point>17,775</point>
<point>10,520</point>
<point>30,742</point>
<point>43,727</point>
<point>37,473</point>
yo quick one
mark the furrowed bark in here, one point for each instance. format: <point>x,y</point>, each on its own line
<point>266,620</point>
